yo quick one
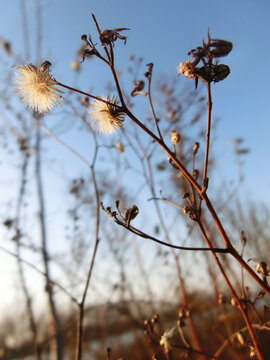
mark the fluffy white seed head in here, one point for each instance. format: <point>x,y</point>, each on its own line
<point>106,118</point>
<point>36,87</point>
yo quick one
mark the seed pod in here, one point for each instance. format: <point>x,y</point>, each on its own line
<point>220,72</point>
<point>221,48</point>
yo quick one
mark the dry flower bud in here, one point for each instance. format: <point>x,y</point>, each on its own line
<point>148,73</point>
<point>131,213</point>
<point>243,238</point>
<point>155,318</point>
<point>222,299</point>
<point>6,46</point>
<point>262,269</point>
<point>45,65</point>
<point>183,313</point>
<point>85,101</point>
<point>220,72</point>
<point>75,65</point>
<point>120,147</point>
<point>186,209</point>
<point>84,37</point>
<point>240,338</point>
<point>195,174</point>
<point>138,87</point>
<point>252,353</point>
<point>187,69</point>
<point>175,137</point>
<point>196,146</point>
<point>8,223</point>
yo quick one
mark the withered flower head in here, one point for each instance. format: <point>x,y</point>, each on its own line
<point>137,87</point>
<point>209,71</point>
<point>36,87</point>
<point>106,117</point>
<point>187,69</point>
<point>110,36</point>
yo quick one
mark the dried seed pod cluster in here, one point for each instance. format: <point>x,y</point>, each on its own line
<point>207,54</point>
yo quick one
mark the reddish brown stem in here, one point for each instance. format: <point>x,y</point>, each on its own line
<point>187,175</point>
<point>238,301</point>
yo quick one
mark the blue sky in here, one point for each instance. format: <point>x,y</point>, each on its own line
<point>163,32</point>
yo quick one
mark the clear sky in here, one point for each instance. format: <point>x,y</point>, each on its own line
<point>163,32</point>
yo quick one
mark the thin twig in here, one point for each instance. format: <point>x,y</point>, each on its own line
<point>208,130</point>
<point>91,265</point>
<point>168,202</point>
<point>56,138</point>
<point>228,341</point>
<point>149,78</point>
<point>44,249</point>
<point>88,95</point>
<point>146,236</point>
<point>52,282</point>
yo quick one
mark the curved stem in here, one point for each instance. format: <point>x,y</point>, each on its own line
<point>146,236</point>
